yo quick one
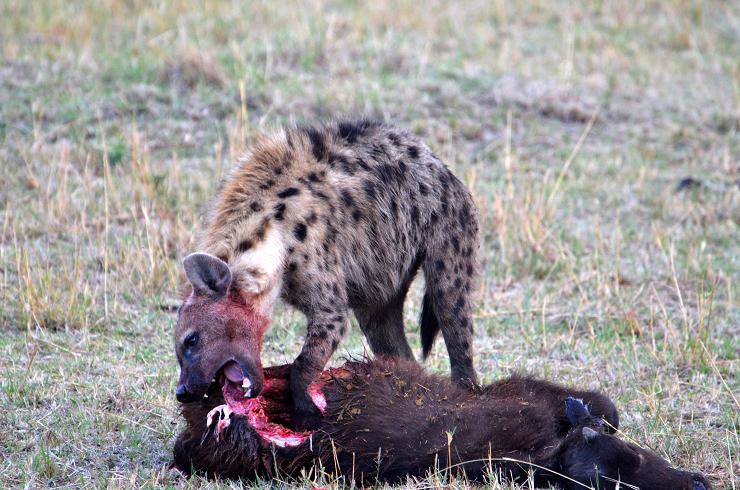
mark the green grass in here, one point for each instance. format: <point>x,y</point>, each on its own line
<point>117,120</point>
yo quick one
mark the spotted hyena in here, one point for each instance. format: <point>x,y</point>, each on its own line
<point>332,218</point>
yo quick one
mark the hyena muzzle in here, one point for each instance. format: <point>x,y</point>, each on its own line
<point>331,219</point>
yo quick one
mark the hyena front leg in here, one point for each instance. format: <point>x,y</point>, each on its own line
<point>327,325</point>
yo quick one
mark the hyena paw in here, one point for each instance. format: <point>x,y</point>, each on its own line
<point>222,415</point>
<point>306,416</point>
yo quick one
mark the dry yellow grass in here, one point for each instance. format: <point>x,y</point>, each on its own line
<point>573,124</point>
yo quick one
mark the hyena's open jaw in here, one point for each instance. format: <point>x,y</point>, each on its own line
<point>232,378</point>
<point>271,413</point>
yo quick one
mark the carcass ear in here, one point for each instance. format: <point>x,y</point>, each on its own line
<point>576,411</point>
<point>589,434</point>
<point>209,275</point>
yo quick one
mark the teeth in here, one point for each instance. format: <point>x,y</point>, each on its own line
<point>246,383</point>
<point>248,393</point>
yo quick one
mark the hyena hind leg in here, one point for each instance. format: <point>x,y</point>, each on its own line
<point>449,294</point>
<point>383,329</point>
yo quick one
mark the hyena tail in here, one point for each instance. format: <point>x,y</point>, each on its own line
<point>429,325</point>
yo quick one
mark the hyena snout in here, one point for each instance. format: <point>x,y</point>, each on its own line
<point>191,387</point>
<point>183,395</point>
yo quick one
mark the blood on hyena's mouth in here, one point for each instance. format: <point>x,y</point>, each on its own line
<point>271,413</point>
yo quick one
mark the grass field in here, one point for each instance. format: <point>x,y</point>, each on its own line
<point>572,122</point>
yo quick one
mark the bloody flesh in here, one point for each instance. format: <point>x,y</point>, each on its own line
<point>270,413</point>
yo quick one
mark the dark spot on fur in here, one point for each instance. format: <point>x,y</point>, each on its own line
<point>445,204</point>
<point>320,195</point>
<point>341,162</point>
<point>255,206</point>
<point>469,270</point>
<point>369,188</point>
<point>423,189</point>
<point>379,151</point>
<point>290,191</point>
<point>458,282</point>
<point>267,184</point>
<point>455,244</point>
<point>413,152</point>
<point>292,267</point>
<point>318,145</point>
<point>312,218</point>
<point>351,130</point>
<point>394,139</point>
<point>280,211</point>
<point>300,231</point>
<point>342,330</point>
<point>363,164</point>
<point>440,265</point>
<point>388,173</point>
<point>357,215</point>
<point>414,214</point>
<point>347,197</point>
<point>262,229</point>
<point>323,335</point>
<point>224,258</point>
<point>313,177</point>
<point>244,246</point>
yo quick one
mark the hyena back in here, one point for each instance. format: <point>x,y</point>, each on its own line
<point>341,217</point>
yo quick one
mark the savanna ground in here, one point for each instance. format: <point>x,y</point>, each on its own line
<point>572,123</point>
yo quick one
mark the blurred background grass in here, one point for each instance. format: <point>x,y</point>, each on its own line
<point>575,124</point>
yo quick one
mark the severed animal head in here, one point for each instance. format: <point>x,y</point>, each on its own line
<point>593,457</point>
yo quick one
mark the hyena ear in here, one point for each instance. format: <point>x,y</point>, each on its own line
<point>576,411</point>
<point>209,275</point>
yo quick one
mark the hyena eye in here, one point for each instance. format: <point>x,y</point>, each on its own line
<point>191,340</point>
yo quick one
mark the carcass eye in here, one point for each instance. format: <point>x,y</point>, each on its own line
<point>192,340</point>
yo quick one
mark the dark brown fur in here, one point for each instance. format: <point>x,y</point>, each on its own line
<point>341,217</point>
<point>389,420</point>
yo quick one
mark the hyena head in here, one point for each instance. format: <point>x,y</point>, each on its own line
<point>219,332</point>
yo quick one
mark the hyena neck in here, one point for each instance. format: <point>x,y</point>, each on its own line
<point>254,310</point>
<point>264,303</point>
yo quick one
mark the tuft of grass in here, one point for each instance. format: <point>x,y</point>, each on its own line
<point>572,124</point>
